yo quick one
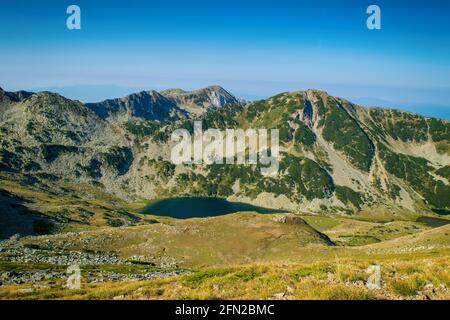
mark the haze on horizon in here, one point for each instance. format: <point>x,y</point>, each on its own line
<point>253,49</point>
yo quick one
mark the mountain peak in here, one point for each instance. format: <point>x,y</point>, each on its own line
<point>201,100</point>
<point>215,88</point>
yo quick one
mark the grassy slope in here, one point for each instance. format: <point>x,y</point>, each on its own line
<point>407,276</point>
<point>251,256</point>
<point>353,232</point>
<point>76,206</point>
<point>434,239</point>
<point>224,240</point>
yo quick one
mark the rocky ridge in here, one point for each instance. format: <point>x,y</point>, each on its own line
<point>337,157</point>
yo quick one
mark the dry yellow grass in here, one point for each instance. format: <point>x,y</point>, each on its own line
<point>403,277</point>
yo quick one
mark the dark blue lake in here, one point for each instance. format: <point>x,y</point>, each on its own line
<point>197,207</point>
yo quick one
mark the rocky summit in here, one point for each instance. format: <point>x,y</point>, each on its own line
<point>200,101</point>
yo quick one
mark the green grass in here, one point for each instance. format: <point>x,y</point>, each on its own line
<point>321,223</point>
<point>319,271</point>
<point>357,240</point>
<point>200,277</point>
<point>409,286</point>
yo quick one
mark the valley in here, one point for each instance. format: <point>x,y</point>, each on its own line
<point>93,185</point>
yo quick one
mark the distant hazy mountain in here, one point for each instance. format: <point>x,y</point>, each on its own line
<point>90,93</point>
<point>337,157</point>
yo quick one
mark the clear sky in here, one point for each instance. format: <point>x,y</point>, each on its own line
<point>252,48</point>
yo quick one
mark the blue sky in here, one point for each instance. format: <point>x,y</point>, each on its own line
<point>252,48</point>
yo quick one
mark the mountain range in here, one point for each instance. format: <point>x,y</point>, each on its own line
<point>337,158</point>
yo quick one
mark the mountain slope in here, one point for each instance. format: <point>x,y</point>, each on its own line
<point>48,138</point>
<point>336,157</point>
<point>148,105</point>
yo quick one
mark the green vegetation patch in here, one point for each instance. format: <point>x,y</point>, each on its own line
<point>146,128</point>
<point>319,271</point>
<point>439,129</point>
<point>416,171</point>
<point>53,151</point>
<point>348,195</point>
<point>299,178</point>
<point>304,135</point>
<point>346,135</point>
<point>404,126</point>
<point>118,158</point>
<point>357,240</point>
<point>275,113</point>
<point>444,172</point>
<point>306,177</point>
<point>164,169</point>
<point>200,277</point>
<point>408,287</point>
